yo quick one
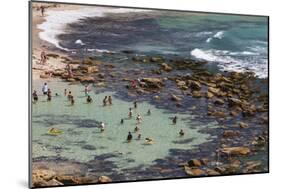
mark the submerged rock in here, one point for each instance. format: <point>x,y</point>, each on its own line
<point>175,98</point>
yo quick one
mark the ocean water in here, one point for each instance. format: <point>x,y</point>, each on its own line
<point>233,42</point>
<point>82,140</point>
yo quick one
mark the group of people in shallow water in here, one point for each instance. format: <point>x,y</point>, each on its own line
<point>107,100</point>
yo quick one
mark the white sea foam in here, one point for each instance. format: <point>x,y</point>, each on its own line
<point>218,35</point>
<point>100,50</point>
<point>56,21</point>
<point>227,62</point>
<point>79,41</point>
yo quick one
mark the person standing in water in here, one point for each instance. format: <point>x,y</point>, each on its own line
<point>129,137</point>
<point>105,101</point>
<point>89,99</point>
<point>181,132</point>
<point>139,136</point>
<point>139,119</point>
<point>175,120</point>
<point>87,90</point>
<point>102,126</point>
<point>35,96</point>
<point>130,112</point>
<point>65,92</point>
<point>110,100</point>
<point>122,121</point>
<point>72,101</point>
<point>49,94</point>
<point>69,96</point>
<point>45,89</point>
<point>148,112</point>
<point>135,104</point>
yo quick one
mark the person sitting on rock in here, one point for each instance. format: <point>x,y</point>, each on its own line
<point>175,120</point>
<point>105,101</point>
<point>129,137</point>
<point>181,132</point>
<point>110,100</point>
<point>89,99</point>
<point>35,96</point>
<point>43,58</point>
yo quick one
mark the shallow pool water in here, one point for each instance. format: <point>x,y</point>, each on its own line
<point>82,140</point>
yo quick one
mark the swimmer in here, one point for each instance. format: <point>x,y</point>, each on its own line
<point>139,136</point>
<point>148,112</point>
<point>129,137</point>
<point>110,100</point>
<point>139,118</point>
<point>130,112</point>
<point>148,140</point>
<point>102,126</point>
<point>135,104</point>
<point>181,132</point>
<point>105,101</point>
<point>35,96</point>
<point>175,120</point>
<point>57,94</point>
<point>122,121</point>
<point>89,99</point>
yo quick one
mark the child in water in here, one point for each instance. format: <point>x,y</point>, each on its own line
<point>137,129</point>
<point>72,100</point>
<point>139,119</point>
<point>148,112</point>
<point>69,96</point>
<point>139,136</point>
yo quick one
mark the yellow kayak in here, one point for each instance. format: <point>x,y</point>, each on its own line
<point>54,131</point>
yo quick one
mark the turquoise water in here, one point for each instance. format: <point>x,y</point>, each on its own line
<point>82,140</point>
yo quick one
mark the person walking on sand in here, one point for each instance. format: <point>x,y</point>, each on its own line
<point>43,59</point>
<point>110,100</point>
<point>45,89</point>
<point>69,70</point>
<point>42,9</point>
<point>105,101</point>
<point>175,120</point>
<point>35,96</point>
<point>130,112</point>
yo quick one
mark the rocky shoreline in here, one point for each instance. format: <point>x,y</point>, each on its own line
<point>237,101</point>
